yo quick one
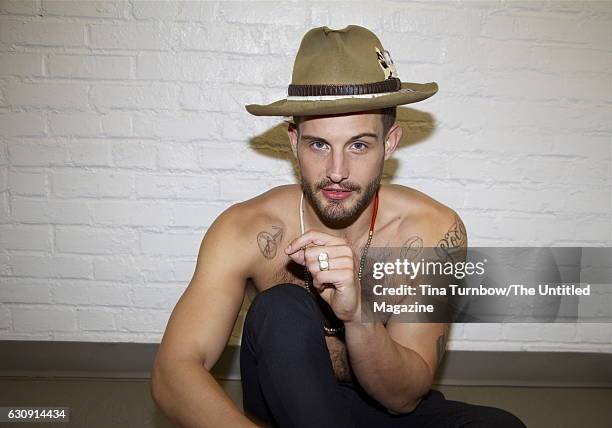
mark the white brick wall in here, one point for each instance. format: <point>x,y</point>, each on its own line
<point>123,135</point>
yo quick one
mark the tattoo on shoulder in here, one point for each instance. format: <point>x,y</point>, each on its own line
<point>268,241</point>
<point>454,238</point>
<point>441,344</point>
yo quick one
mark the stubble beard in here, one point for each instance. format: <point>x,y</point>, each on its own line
<point>334,214</point>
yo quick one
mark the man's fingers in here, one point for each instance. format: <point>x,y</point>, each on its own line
<point>313,237</point>
<point>298,257</point>
<point>335,276</point>
<point>333,252</point>
<point>334,263</point>
<point>337,257</point>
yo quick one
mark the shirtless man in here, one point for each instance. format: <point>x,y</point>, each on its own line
<point>306,357</point>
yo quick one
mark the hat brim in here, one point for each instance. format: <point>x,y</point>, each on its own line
<point>409,93</point>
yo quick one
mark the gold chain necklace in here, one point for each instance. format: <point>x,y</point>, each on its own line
<point>330,331</point>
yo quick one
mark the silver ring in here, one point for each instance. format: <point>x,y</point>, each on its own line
<point>323,261</point>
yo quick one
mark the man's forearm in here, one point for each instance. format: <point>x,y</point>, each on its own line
<point>191,397</point>
<point>395,376</point>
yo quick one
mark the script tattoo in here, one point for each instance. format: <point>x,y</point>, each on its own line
<point>454,238</point>
<point>441,344</point>
<point>268,242</point>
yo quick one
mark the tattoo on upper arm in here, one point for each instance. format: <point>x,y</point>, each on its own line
<point>454,238</point>
<point>268,242</point>
<point>450,248</point>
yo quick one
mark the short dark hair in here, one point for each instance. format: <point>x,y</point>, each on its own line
<point>388,116</point>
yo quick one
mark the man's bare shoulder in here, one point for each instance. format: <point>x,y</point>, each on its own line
<point>270,205</point>
<point>263,222</point>
<point>426,217</point>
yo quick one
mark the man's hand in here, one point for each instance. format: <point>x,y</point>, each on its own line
<point>339,286</point>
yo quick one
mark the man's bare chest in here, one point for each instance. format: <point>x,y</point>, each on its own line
<point>272,272</point>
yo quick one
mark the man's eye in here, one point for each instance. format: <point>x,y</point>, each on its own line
<point>319,145</point>
<point>360,146</point>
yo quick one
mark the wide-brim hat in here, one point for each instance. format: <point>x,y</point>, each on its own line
<point>343,71</point>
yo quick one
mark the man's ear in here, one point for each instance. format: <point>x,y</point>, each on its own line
<point>394,136</point>
<point>292,131</point>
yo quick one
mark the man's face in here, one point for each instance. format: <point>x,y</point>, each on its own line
<point>341,161</point>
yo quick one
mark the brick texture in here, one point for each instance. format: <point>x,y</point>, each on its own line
<point>123,135</point>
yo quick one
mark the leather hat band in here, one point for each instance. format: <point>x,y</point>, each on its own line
<point>393,84</point>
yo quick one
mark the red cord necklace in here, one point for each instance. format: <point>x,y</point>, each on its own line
<point>332,331</point>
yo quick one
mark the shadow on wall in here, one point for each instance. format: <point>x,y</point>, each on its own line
<point>418,126</point>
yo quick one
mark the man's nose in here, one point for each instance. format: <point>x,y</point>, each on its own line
<point>337,169</point>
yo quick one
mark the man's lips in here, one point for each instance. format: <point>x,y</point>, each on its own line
<point>336,193</point>
<point>336,189</point>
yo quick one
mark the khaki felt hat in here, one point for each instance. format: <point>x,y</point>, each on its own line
<point>343,71</point>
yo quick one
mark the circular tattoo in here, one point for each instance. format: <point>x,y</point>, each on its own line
<point>268,242</point>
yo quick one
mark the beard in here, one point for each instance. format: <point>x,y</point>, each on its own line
<point>334,214</point>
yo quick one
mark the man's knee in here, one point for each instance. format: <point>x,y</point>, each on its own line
<point>470,415</point>
<point>499,418</point>
<point>283,305</point>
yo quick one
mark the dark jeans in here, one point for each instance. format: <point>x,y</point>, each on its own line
<point>288,380</point>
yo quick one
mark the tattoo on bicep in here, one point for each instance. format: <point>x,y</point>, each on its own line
<point>441,344</point>
<point>268,242</point>
<point>454,238</point>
